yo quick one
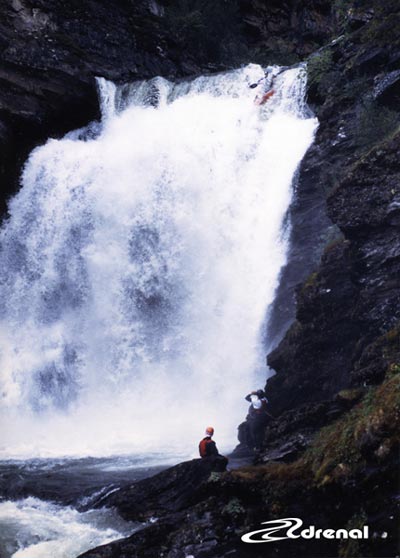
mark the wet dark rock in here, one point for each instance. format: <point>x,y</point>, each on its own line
<point>282,28</point>
<point>357,17</point>
<point>303,354</point>
<point>141,544</point>
<point>371,60</point>
<point>368,197</point>
<point>350,300</point>
<point>331,485</point>
<point>169,491</point>
<point>287,451</point>
<point>330,456</point>
<point>69,482</point>
<point>311,230</point>
<point>387,89</point>
<point>286,437</point>
<point>51,53</point>
<point>376,358</point>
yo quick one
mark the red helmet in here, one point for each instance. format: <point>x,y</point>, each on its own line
<point>209,431</point>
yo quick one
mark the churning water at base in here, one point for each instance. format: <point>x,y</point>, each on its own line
<point>138,264</point>
<point>32,528</point>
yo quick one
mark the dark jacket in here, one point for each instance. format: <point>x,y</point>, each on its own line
<point>207,447</point>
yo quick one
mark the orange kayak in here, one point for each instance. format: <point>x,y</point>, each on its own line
<point>264,98</point>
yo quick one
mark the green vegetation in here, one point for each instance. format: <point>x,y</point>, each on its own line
<point>337,448</point>
<point>383,30</point>
<point>375,123</point>
<point>351,395</point>
<point>311,281</point>
<point>336,451</point>
<point>351,548</point>
<point>319,64</point>
<point>391,350</point>
<point>233,508</point>
<point>341,9</point>
<point>214,477</point>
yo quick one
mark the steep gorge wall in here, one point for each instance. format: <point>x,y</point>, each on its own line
<point>334,392</point>
<point>330,456</point>
<point>50,53</point>
<point>345,309</point>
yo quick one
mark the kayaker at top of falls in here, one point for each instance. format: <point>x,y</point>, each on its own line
<point>208,450</point>
<point>269,82</point>
<point>270,91</point>
<point>257,418</point>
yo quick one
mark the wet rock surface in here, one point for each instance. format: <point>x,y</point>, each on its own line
<point>50,55</point>
<point>75,482</point>
<point>345,306</point>
<point>169,491</point>
<point>330,455</point>
<point>52,51</point>
<point>343,477</point>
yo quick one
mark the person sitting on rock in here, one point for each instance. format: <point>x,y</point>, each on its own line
<point>257,418</point>
<point>208,451</point>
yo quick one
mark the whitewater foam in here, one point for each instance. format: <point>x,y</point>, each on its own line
<point>33,528</point>
<point>137,267</point>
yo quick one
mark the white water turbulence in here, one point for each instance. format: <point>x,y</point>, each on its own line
<point>138,264</point>
<point>33,528</point>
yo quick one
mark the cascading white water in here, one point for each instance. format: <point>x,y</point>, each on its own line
<point>137,267</point>
<point>32,528</point>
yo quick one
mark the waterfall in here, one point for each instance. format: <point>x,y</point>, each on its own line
<point>138,263</point>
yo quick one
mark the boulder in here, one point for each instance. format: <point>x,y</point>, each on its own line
<point>169,491</point>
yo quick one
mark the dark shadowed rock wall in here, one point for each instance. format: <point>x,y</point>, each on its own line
<point>330,455</point>
<point>50,54</point>
<point>347,305</point>
<point>51,51</point>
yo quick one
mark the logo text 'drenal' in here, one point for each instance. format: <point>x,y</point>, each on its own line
<point>288,528</point>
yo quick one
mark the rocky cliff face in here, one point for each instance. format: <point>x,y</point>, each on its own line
<point>330,456</point>
<point>343,349</point>
<point>51,53</point>
<point>345,309</point>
